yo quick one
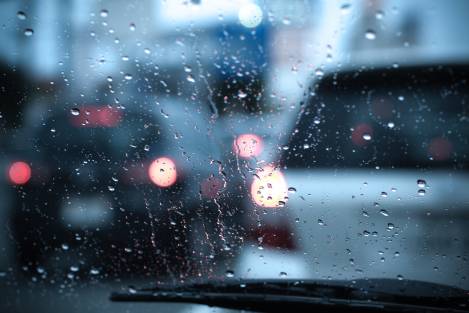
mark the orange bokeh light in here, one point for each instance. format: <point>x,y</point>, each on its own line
<point>248,145</point>
<point>19,173</point>
<point>269,188</point>
<point>162,172</point>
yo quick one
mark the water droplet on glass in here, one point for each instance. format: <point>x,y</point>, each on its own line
<point>132,290</point>
<point>384,212</point>
<point>132,26</point>
<point>421,192</point>
<point>390,226</point>
<point>165,115</point>
<point>391,125</point>
<point>104,13</point>
<point>345,8</point>
<point>286,21</point>
<point>370,35</point>
<point>190,78</point>
<point>421,183</point>
<point>128,76</point>
<point>187,69</point>
<point>242,94</point>
<point>229,273</point>
<point>111,188</point>
<point>384,194</point>
<point>40,270</point>
<point>28,32</point>
<point>367,137</point>
<point>379,15</point>
<point>125,58</point>
<point>21,15</point>
<point>401,98</point>
<point>319,72</point>
<point>400,277</point>
<point>146,148</point>
<point>283,274</point>
<point>292,189</point>
<point>75,111</point>
<point>94,271</point>
<point>74,268</point>
<point>65,246</point>
<point>147,51</point>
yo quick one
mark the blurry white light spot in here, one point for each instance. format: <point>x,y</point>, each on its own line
<point>269,188</point>
<point>162,172</point>
<point>250,15</point>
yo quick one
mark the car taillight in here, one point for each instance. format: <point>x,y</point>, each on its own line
<point>211,187</point>
<point>248,145</point>
<point>269,188</point>
<point>274,236</point>
<point>162,172</point>
<point>19,173</point>
<point>97,117</point>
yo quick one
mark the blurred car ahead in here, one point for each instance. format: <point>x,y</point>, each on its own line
<point>101,185</point>
<point>372,180</point>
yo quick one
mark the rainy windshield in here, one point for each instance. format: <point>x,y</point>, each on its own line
<point>171,141</point>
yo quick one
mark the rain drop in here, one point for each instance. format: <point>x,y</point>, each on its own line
<point>190,78</point>
<point>94,271</point>
<point>75,111</point>
<point>283,274</point>
<point>21,15</point>
<point>370,35</point>
<point>367,137</point>
<point>345,8</point>
<point>421,183</point>
<point>28,32</point>
<point>104,13</point>
<point>384,212</point>
<point>128,76</point>
<point>229,273</point>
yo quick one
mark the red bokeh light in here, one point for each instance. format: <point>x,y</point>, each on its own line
<point>19,173</point>
<point>440,149</point>
<point>248,145</point>
<point>94,116</point>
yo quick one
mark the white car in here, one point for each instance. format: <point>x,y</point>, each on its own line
<point>372,181</point>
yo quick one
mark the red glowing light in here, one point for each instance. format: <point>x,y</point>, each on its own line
<point>211,187</point>
<point>248,145</point>
<point>440,149</point>
<point>162,172</point>
<point>19,173</point>
<point>93,116</point>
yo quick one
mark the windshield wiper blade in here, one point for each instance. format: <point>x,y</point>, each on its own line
<point>304,296</point>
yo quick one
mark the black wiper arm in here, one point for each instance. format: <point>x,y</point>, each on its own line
<point>303,296</point>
